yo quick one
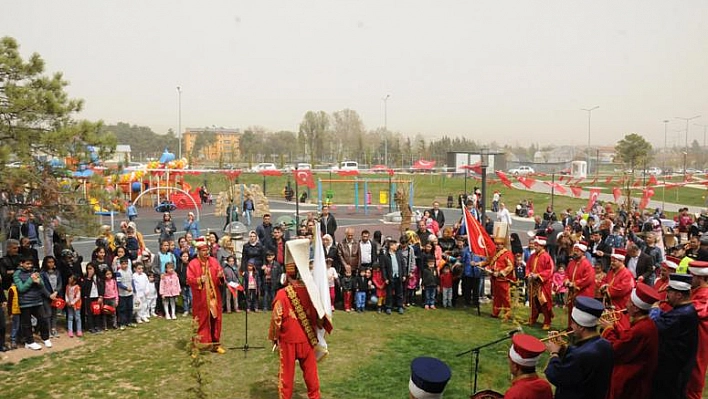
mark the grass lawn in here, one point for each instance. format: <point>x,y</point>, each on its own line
<point>369,358</point>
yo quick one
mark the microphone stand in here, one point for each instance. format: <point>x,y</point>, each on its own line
<point>245,348</point>
<point>475,352</point>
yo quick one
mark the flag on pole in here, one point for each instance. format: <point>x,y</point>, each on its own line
<point>304,178</point>
<point>319,274</point>
<point>479,241</point>
<point>594,194</point>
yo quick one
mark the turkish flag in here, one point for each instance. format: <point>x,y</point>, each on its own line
<point>526,181</point>
<point>594,194</point>
<point>479,241</point>
<point>503,178</point>
<point>652,181</point>
<point>646,195</point>
<point>617,193</point>
<point>304,178</point>
<point>561,190</point>
<point>576,191</point>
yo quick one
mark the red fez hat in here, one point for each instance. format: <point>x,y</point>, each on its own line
<point>698,268</point>
<point>526,350</point>
<point>200,242</point>
<point>671,262</point>
<point>644,296</point>
<point>619,254</point>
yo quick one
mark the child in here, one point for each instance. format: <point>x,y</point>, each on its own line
<point>124,279</point>
<point>559,289</point>
<point>252,282</point>
<point>110,298</point>
<point>276,271</point>
<point>13,306</point>
<point>411,285</point>
<point>92,290</point>
<point>599,276</point>
<point>120,253</point>
<point>372,289</point>
<point>361,287</point>
<point>446,286</point>
<point>73,307</point>
<point>182,264</point>
<point>347,283</point>
<point>151,297</point>
<point>52,280</point>
<point>31,290</point>
<point>332,280</point>
<point>520,268</point>
<point>169,289</point>
<point>430,282</point>
<point>267,290</point>
<point>232,281</point>
<point>141,281</point>
<point>380,284</point>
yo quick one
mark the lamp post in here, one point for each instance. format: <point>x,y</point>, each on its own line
<point>686,149</point>
<point>589,111</point>
<point>663,166</point>
<point>484,162</point>
<point>385,101</point>
<point>179,125</point>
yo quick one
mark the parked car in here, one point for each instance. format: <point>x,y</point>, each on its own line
<point>347,165</point>
<point>300,166</point>
<point>656,171</point>
<point>264,166</point>
<point>521,170</point>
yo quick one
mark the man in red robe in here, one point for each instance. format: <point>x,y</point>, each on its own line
<point>205,277</point>
<point>580,276</point>
<point>699,296</point>
<point>662,283</point>
<point>502,272</point>
<point>636,350</point>
<point>618,283</point>
<point>539,270</point>
<point>294,323</point>
<point>524,354</point>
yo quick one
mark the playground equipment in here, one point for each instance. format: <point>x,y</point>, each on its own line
<point>384,196</point>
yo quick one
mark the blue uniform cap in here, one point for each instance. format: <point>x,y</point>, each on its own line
<point>429,376</point>
<point>587,311</point>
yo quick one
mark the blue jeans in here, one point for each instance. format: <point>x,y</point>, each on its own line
<point>73,319</point>
<point>267,296</point>
<point>248,216</point>
<point>430,296</point>
<point>15,327</point>
<point>360,299</point>
<point>125,310</point>
<point>187,298</point>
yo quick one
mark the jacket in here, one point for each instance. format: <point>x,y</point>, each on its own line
<point>387,266</point>
<point>29,292</point>
<point>86,284</point>
<point>349,256</point>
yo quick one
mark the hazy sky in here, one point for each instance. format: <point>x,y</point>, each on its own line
<point>510,71</point>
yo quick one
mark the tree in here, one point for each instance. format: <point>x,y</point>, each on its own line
<point>313,127</point>
<point>144,142</point>
<point>633,150</point>
<point>36,126</point>
<point>349,131</point>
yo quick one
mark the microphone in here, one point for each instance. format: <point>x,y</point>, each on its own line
<point>514,331</point>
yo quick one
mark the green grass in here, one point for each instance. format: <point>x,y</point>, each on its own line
<point>369,357</point>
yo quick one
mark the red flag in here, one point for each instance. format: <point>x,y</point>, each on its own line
<point>652,181</point>
<point>594,194</point>
<point>637,183</point>
<point>576,190</point>
<point>647,193</point>
<point>561,190</point>
<point>505,180</point>
<point>304,178</point>
<point>608,180</point>
<point>617,193</point>
<point>526,181</point>
<point>479,241</point>
<point>352,172</point>
<point>235,290</point>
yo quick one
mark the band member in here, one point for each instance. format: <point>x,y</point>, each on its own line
<point>429,376</point>
<point>699,296</point>
<point>205,277</point>
<point>294,322</point>
<point>636,349</point>
<point>580,276</point>
<point>524,354</point>
<point>539,270</point>
<point>585,370</point>
<point>502,272</point>
<point>678,339</point>
<point>618,283</point>
<point>662,283</point>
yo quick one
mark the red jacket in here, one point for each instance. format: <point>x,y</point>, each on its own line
<point>636,356</point>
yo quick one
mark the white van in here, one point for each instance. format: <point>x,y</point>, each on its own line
<point>347,165</point>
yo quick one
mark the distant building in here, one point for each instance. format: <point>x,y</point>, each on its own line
<point>225,146</point>
<point>121,155</point>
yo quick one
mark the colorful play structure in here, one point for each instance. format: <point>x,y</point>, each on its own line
<point>385,196</point>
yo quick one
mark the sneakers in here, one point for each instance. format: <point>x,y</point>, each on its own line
<point>427,307</point>
<point>140,321</point>
<point>186,313</point>
<point>13,345</point>
<point>145,319</point>
<point>79,334</point>
<point>48,343</point>
<point>400,310</point>
<point>121,328</point>
<point>388,311</point>
<point>70,334</point>
<point>174,317</point>
<point>55,333</point>
<point>34,346</point>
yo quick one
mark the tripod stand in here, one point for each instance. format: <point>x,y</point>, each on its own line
<point>475,352</point>
<point>245,348</point>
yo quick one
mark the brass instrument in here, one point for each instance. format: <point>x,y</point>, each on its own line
<point>612,315</point>
<point>557,337</point>
<point>487,394</point>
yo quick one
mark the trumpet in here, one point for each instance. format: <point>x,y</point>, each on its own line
<point>557,337</point>
<point>611,315</point>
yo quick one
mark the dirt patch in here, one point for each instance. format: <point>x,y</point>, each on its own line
<point>58,345</point>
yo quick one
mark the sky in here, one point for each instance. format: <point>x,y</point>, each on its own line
<point>512,72</point>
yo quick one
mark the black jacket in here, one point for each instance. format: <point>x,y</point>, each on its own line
<point>440,217</point>
<point>86,287</point>
<point>387,266</point>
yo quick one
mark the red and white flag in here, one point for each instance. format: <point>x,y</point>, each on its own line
<point>304,178</point>
<point>504,179</point>
<point>479,241</point>
<point>594,194</point>
<point>617,193</point>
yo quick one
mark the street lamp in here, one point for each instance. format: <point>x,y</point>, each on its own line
<point>663,166</point>
<point>385,101</point>
<point>484,162</point>
<point>589,111</point>
<point>686,150</point>
<point>179,126</point>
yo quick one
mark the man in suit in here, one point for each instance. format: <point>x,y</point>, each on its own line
<point>368,250</point>
<point>348,251</point>
<point>394,273</point>
<point>437,214</point>
<point>599,251</point>
<point>328,224</point>
<point>639,264</point>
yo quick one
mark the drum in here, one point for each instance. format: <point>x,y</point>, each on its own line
<point>487,394</point>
